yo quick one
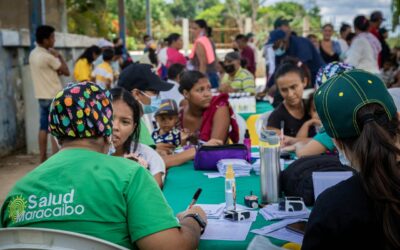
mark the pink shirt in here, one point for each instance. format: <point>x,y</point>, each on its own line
<point>174,56</point>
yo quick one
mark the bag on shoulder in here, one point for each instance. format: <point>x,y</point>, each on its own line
<point>296,179</point>
<point>207,157</point>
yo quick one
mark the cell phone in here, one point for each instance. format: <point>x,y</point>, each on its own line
<point>297,227</point>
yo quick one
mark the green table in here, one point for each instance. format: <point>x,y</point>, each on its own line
<point>261,107</point>
<point>183,181</point>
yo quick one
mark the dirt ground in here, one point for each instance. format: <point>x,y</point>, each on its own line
<point>13,168</point>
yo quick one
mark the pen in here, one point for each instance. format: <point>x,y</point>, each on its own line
<point>234,196</point>
<point>194,200</point>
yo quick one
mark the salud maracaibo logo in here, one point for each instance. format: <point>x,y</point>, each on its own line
<point>51,205</point>
<point>17,207</point>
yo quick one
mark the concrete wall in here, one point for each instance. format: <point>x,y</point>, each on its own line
<point>14,14</point>
<point>19,111</point>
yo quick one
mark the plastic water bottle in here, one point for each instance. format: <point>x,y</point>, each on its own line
<point>230,188</point>
<point>270,166</point>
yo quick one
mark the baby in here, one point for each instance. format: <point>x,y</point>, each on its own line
<point>167,117</point>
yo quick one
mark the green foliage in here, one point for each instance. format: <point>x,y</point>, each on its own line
<point>396,13</point>
<point>215,15</point>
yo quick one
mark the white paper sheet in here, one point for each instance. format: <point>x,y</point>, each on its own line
<point>284,234</point>
<point>273,227</point>
<point>226,230</point>
<point>213,211</point>
<point>324,180</point>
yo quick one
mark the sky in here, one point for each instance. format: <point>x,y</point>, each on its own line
<point>338,11</point>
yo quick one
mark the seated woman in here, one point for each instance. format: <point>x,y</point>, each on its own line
<point>209,119</point>
<point>291,114</point>
<point>125,137</point>
<point>362,212</point>
<point>84,190</point>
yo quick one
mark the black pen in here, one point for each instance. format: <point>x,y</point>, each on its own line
<point>194,200</point>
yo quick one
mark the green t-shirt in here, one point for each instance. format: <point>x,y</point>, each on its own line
<point>144,134</point>
<point>83,191</point>
<point>325,140</point>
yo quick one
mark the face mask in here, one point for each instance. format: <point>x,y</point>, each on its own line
<point>229,68</point>
<point>155,102</point>
<point>111,149</point>
<point>279,52</point>
<point>342,158</point>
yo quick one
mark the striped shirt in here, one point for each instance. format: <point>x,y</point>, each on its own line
<point>242,81</point>
<point>103,75</point>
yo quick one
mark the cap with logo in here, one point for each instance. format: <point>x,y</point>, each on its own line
<point>167,107</point>
<point>142,77</point>
<point>340,98</point>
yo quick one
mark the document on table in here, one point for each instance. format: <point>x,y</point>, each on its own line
<point>274,227</point>
<point>285,234</point>
<point>226,230</point>
<point>213,211</point>
<point>324,180</point>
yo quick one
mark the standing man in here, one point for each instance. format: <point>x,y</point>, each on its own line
<point>375,23</point>
<point>246,53</point>
<point>46,65</point>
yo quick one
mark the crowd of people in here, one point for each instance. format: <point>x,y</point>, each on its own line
<point>122,124</point>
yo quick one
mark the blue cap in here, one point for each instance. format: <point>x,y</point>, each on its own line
<point>167,107</point>
<point>276,35</point>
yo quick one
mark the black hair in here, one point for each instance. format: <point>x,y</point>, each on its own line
<point>209,31</point>
<point>44,32</point>
<point>145,37</point>
<point>115,40</point>
<point>201,23</point>
<point>361,23</point>
<point>376,154</point>
<point>153,56</point>
<point>350,36</point>
<point>175,70</point>
<point>293,64</point>
<point>88,53</point>
<point>189,79</point>
<point>344,27</point>
<point>241,37</point>
<point>172,38</point>
<point>328,25</point>
<point>108,54</point>
<point>118,50</point>
<point>310,36</point>
<point>119,93</point>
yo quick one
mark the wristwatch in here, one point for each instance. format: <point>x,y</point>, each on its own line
<point>199,220</point>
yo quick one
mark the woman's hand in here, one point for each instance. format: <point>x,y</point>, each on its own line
<point>165,148</point>
<point>193,210</point>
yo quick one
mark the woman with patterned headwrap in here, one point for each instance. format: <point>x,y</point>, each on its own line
<point>84,190</point>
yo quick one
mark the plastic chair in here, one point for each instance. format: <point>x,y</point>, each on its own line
<point>43,238</point>
<point>262,122</point>
<point>242,127</point>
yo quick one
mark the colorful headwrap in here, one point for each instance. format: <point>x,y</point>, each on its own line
<point>329,71</point>
<point>81,110</point>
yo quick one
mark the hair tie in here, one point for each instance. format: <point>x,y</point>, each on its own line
<point>299,64</point>
<point>367,118</point>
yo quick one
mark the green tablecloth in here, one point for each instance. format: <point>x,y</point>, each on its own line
<point>183,181</point>
<point>261,107</point>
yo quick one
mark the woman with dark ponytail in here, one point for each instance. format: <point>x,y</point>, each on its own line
<point>362,212</point>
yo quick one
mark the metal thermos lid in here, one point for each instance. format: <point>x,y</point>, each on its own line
<point>270,136</point>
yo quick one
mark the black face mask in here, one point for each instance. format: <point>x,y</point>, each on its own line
<point>229,68</point>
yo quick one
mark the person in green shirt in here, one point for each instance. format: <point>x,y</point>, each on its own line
<point>236,79</point>
<point>84,190</point>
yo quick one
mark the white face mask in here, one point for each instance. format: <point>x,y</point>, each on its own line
<point>343,159</point>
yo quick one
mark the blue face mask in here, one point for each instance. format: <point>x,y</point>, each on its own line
<point>279,52</point>
<point>155,102</point>
<point>343,159</point>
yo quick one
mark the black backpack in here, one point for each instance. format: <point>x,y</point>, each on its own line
<point>296,179</point>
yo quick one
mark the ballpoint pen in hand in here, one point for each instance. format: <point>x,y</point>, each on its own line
<point>194,200</point>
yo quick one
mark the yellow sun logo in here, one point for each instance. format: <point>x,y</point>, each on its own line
<point>16,208</point>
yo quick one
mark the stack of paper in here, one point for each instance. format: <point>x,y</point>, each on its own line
<point>240,167</point>
<point>278,230</point>
<point>272,212</point>
<point>256,166</point>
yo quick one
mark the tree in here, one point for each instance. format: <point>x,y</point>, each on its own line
<point>395,7</point>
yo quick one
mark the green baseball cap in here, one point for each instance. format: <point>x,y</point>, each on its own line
<point>338,100</point>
